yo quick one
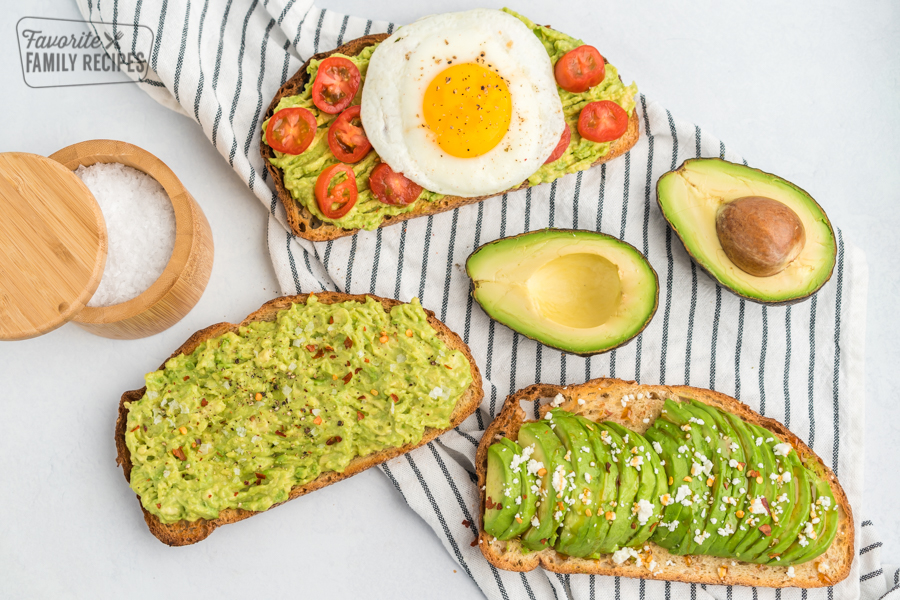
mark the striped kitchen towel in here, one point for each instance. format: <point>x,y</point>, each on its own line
<point>219,63</point>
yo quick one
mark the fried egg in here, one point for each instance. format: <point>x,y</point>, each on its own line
<point>463,103</point>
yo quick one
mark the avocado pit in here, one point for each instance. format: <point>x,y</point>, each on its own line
<point>760,235</point>
<point>580,290</point>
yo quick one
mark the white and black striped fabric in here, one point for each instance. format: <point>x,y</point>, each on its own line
<point>220,62</point>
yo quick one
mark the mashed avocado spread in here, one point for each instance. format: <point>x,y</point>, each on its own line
<point>245,417</point>
<point>301,171</point>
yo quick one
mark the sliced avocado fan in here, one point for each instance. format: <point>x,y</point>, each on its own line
<point>699,481</point>
<point>779,248</point>
<point>578,291</point>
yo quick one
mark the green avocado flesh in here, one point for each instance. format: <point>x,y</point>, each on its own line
<point>691,198</point>
<point>249,415</point>
<point>698,481</point>
<point>301,171</point>
<point>578,291</point>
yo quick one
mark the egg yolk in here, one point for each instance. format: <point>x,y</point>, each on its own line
<point>468,108</point>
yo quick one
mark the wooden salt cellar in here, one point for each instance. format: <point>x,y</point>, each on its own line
<point>60,221</point>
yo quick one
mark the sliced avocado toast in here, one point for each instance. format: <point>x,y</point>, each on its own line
<point>718,494</point>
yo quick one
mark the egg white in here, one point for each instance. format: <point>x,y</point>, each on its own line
<point>401,69</point>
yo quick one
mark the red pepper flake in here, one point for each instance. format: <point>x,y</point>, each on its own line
<point>260,476</point>
<point>333,356</point>
<point>449,367</point>
<point>179,453</point>
<point>186,377</point>
<point>365,360</point>
<point>347,377</point>
<point>766,529</point>
<point>765,503</point>
<point>363,397</point>
<point>466,523</point>
<point>348,343</point>
<point>633,525</point>
<point>145,428</point>
<point>474,542</point>
<point>280,433</point>
<point>319,354</point>
<point>360,416</point>
<point>158,505</point>
<point>489,504</point>
<point>136,427</point>
<point>311,347</point>
<point>203,402</point>
<point>331,321</point>
<point>333,440</point>
<point>235,493</point>
<point>395,398</point>
<point>357,370</point>
<point>329,348</point>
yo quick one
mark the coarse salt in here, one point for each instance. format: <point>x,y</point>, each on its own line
<point>140,227</point>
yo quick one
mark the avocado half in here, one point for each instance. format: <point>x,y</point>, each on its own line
<point>579,291</point>
<point>691,197</point>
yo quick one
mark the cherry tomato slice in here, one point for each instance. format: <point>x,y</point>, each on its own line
<point>560,149</point>
<point>337,82</point>
<point>602,121</point>
<point>346,137</point>
<point>291,130</point>
<point>342,194</point>
<point>580,69</point>
<point>392,188</point>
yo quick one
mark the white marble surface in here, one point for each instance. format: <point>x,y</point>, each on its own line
<point>808,90</point>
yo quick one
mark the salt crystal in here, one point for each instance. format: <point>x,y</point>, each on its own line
<point>140,227</point>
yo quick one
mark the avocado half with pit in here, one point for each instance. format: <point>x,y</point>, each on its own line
<point>760,236</point>
<point>578,291</point>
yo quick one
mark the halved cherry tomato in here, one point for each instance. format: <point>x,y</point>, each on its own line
<point>291,130</point>
<point>343,194</point>
<point>560,149</point>
<point>346,137</point>
<point>602,121</point>
<point>337,82</point>
<point>392,188</point>
<point>580,69</point>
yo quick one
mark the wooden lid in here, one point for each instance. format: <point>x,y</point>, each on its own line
<point>52,245</point>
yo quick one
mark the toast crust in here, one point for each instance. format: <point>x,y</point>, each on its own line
<point>603,402</point>
<point>304,224</point>
<point>181,533</point>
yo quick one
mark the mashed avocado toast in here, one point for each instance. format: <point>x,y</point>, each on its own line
<point>295,176</point>
<point>305,392</point>
<point>659,482</point>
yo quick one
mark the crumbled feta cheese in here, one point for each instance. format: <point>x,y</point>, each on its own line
<point>782,449</point>
<point>757,507</point>
<point>623,554</point>
<point>645,511</point>
<point>559,399</point>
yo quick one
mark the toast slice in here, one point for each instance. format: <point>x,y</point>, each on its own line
<point>181,533</point>
<point>603,402</point>
<point>304,224</point>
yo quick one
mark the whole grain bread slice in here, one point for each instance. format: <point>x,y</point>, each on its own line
<point>306,225</point>
<point>603,402</point>
<point>181,533</point>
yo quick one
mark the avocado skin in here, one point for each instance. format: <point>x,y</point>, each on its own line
<point>576,352</point>
<point>688,246</point>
